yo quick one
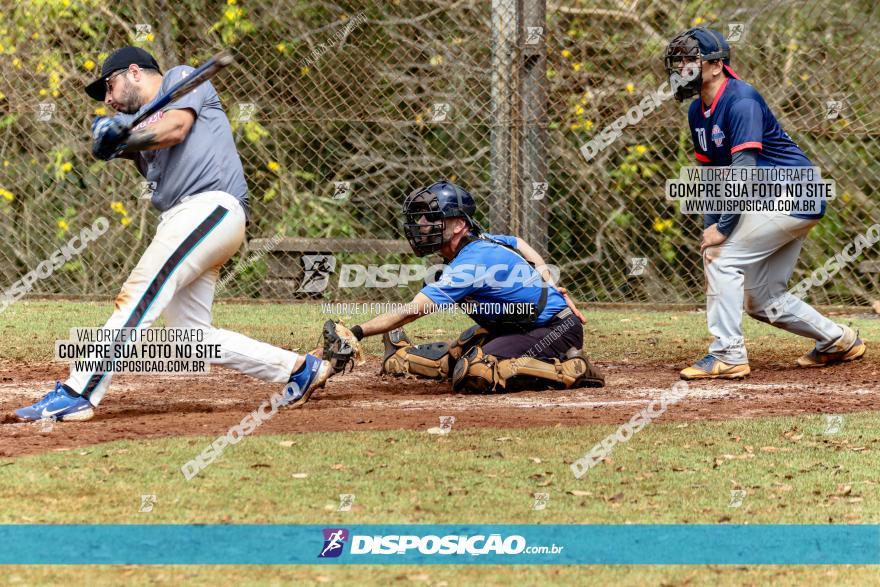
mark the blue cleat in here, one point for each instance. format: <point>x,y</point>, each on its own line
<point>59,404</point>
<point>312,375</point>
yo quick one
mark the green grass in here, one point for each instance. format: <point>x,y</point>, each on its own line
<point>30,329</point>
<point>444,576</point>
<point>668,473</point>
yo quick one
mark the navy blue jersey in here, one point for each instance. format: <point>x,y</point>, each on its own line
<point>491,277</point>
<point>740,119</point>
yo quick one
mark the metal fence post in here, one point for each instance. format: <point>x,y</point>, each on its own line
<point>533,191</point>
<point>519,133</point>
<point>502,167</point>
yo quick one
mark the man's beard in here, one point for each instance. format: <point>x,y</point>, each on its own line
<point>130,102</point>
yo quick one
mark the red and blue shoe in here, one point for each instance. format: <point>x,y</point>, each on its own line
<point>311,376</point>
<point>59,404</point>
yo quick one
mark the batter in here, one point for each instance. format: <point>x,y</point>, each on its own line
<point>188,150</point>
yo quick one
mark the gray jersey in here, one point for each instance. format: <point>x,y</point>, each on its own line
<point>205,161</point>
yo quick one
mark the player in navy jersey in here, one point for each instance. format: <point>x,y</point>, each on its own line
<point>748,259</point>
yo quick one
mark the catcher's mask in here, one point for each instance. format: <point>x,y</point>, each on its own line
<point>685,55</point>
<point>425,212</point>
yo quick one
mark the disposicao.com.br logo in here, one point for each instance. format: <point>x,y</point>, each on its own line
<point>454,544</point>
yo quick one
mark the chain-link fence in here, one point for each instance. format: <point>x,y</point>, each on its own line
<point>340,109</point>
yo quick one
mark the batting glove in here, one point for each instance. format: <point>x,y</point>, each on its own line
<point>108,137</point>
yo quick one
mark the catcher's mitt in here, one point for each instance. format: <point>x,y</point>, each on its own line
<point>341,348</point>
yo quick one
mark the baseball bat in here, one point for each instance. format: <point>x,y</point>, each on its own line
<point>203,73</point>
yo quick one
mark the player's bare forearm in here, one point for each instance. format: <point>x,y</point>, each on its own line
<point>532,256</point>
<point>167,132</point>
<point>420,306</point>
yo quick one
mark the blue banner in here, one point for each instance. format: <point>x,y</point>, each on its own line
<point>439,544</point>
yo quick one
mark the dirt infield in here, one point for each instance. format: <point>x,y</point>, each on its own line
<point>137,408</point>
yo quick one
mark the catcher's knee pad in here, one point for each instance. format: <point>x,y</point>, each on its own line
<point>475,335</point>
<point>477,371</point>
<point>424,360</point>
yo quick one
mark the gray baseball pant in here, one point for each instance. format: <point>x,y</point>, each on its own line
<point>750,271</point>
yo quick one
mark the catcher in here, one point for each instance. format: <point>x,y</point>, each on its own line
<point>528,334</point>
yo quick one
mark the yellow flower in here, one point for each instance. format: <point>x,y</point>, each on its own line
<point>117,207</point>
<point>230,2</point>
<point>845,197</point>
<point>566,53</point>
<point>7,195</point>
<point>55,93</point>
<point>630,88</point>
<point>150,37</point>
<point>641,149</point>
<point>89,64</point>
<point>17,63</point>
<point>281,47</point>
<point>304,71</point>
<point>229,14</point>
<point>43,92</point>
<point>437,60</point>
<point>804,77</point>
<point>576,67</point>
<point>101,111</point>
<point>62,224</point>
<point>661,225</point>
<point>125,221</point>
<point>273,166</point>
<point>579,110</point>
<point>698,21</point>
<point>588,124</point>
<point>67,167</point>
<point>575,126</point>
<point>35,36</point>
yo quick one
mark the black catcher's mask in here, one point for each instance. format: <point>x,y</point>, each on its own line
<point>425,212</point>
<point>685,55</point>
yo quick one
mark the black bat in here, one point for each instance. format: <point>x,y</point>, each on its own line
<point>203,73</point>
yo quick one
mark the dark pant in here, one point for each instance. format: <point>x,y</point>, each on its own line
<point>550,341</point>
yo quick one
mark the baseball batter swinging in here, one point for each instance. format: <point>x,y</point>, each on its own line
<point>537,344</point>
<point>187,150</point>
<point>748,260</point>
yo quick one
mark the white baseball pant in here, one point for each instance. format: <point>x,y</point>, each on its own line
<point>749,271</point>
<point>175,278</point>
